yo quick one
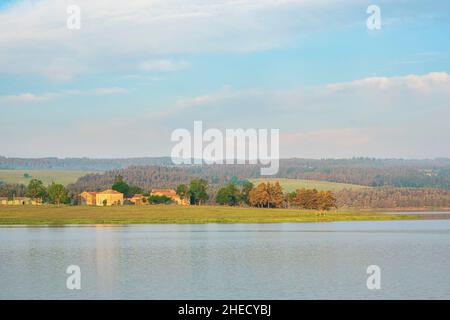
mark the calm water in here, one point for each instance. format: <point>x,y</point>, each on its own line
<point>240,261</point>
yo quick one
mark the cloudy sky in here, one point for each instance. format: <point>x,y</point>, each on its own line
<point>137,70</point>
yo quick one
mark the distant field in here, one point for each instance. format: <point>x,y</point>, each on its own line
<point>47,176</point>
<point>162,214</point>
<point>293,184</point>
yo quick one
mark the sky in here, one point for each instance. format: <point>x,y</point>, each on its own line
<point>136,71</point>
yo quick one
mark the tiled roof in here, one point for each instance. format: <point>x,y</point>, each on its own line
<point>169,192</point>
<point>90,193</point>
<point>110,191</point>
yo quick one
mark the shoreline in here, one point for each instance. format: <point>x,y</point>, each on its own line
<point>48,215</point>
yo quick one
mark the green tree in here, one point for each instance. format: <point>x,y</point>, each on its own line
<point>132,190</point>
<point>57,194</point>
<point>120,185</point>
<point>183,191</point>
<point>290,198</point>
<point>159,199</point>
<point>228,195</point>
<point>36,189</point>
<point>245,192</point>
<point>198,191</point>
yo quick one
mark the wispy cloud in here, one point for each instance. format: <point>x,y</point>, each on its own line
<point>392,117</point>
<point>25,97</point>
<point>118,35</point>
<point>162,65</point>
<point>433,80</point>
<point>33,98</point>
<point>95,92</point>
<point>376,116</point>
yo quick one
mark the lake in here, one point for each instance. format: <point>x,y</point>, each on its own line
<point>228,261</point>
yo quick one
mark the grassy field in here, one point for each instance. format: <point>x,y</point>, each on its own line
<point>159,214</point>
<point>46,176</point>
<point>293,184</point>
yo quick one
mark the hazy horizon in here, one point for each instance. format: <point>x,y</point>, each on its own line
<point>168,157</point>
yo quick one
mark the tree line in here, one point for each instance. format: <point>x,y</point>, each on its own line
<point>264,195</point>
<point>399,173</point>
<point>242,192</point>
<point>394,198</point>
<point>55,193</point>
<point>361,173</point>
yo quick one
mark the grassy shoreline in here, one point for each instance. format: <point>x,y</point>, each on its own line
<point>163,214</point>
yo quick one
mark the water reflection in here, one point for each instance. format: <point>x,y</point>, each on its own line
<point>242,261</point>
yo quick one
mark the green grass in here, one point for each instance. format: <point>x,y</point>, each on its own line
<point>160,214</point>
<point>46,176</point>
<point>289,185</point>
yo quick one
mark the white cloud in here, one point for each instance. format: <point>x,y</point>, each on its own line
<point>107,91</point>
<point>25,97</point>
<point>163,65</point>
<point>225,93</point>
<point>384,116</point>
<point>31,98</point>
<point>117,35</point>
<point>361,97</point>
<point>427,82</point>
<point>356,118</point>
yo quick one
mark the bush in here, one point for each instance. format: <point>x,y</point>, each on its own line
<point>159,200</point>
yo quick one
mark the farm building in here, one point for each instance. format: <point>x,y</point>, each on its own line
<point>88,198</point>
<point>19,201</point>
<point>105,198</point>
<point>171,193</point>
<point>138,199</point>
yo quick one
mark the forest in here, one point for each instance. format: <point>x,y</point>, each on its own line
<point>434,173</point>
<point>390,183</point>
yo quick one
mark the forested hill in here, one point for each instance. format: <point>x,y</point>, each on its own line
<point>160,171</point>
<point>80,164</point>
<point>311,165</point>
<point>382,173</point>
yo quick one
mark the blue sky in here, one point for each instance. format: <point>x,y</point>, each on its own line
<point>136,71</point>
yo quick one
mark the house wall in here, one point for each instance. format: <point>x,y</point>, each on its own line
<point>138,201</point>
<point>87,199</point>
<point>19,202</point>
<point>175,198</point>
<point>111,199</point>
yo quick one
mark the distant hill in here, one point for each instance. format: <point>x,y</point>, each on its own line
<point>80,164</point>
<point>308,165</point>
<point>359,182</point>
<point>433,173</point>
